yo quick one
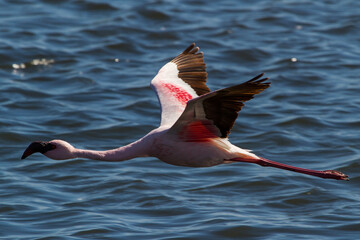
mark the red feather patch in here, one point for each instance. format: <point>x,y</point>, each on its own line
<point>180,94</point>
<point>199,131</point>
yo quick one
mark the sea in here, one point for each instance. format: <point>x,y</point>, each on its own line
<point>79,70</point>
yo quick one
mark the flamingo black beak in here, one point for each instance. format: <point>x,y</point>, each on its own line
<point>38,146</point>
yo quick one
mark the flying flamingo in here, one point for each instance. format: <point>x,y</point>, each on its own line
<point>195,123</point>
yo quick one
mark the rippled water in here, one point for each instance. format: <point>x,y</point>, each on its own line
<point>80,71</point>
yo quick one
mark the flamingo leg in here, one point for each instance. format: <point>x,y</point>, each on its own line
<point>333,174</point>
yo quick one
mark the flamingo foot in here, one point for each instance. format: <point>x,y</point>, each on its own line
<point>336,175</point>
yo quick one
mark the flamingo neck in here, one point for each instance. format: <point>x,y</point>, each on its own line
<point>127,152</point>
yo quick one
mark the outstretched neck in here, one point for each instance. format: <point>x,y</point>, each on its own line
<point>133,150</point>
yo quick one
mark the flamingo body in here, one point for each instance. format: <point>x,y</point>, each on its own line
<point>195,123</point>
<point>171,149</point>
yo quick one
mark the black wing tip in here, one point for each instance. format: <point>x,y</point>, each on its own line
<point>257,80</point>
<point>192,49</point>
<point>192,68</point>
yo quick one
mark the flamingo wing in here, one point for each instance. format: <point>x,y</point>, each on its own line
<point>180,80</point>
<point>213,115</point>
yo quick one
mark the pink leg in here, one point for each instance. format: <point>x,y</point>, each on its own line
<point>268,163</point>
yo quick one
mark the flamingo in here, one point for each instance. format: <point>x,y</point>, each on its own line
<point>195,123</point>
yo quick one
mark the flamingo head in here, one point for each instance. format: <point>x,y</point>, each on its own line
<point>55,149</point>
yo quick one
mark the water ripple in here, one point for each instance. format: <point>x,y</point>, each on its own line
<point>80,71</point>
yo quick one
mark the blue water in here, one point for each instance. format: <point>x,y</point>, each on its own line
<point>80,71</point>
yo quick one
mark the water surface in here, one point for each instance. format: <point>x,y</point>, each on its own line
<point>80,71</point>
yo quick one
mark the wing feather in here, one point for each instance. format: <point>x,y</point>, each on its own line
<point>218,110</point>
<point>178,81</point>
